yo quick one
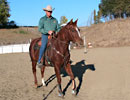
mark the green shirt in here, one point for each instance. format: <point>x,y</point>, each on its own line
<point>46,24</point>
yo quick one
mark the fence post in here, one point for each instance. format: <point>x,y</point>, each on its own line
<point>12,48</point>
<point>22,48</point>
<point>30,40</point>
<point>85,46</point>
<point>2,49</point>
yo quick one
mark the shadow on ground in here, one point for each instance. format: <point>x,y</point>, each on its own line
<point>78,70</point>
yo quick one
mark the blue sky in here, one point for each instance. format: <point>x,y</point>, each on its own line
<point>28,12</point>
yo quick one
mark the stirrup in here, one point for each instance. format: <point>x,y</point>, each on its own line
<point>40,65</point>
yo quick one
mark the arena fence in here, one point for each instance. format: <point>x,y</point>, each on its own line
<point>19,48</point>
<point>15,48</point>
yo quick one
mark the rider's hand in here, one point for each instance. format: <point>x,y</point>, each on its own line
<point>50,32</point>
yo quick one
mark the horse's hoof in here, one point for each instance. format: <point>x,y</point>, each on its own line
<point>61,95</point>
<point>74,92</point>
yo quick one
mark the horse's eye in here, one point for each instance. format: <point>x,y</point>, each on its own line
<point>73,30</point>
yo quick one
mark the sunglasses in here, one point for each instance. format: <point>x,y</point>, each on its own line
<point>49,11</point>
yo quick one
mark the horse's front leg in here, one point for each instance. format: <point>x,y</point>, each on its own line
<point>57,71</point>
<point>70,73</point>
<point>42,75</point>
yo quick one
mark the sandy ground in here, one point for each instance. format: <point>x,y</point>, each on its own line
<point>100,74</point>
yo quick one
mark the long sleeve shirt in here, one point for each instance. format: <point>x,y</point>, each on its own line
<point>46,24</point>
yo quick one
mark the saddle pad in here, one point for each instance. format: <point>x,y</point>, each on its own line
<point>37,46</point>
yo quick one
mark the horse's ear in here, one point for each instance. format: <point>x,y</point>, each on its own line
<point>71,21</point>
<point>75,23</point>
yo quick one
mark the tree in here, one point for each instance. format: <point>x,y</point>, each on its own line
<point>116,8</point>
<point>106,7</point>
<point>97,17</point>
<point>12,24</point>
<point>4,12</point>
<point>127,8</point>
<point>63,20</point>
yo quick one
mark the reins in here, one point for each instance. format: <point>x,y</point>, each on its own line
<point>60,40</point>
<point>58,52</point>
<point>65,57</point>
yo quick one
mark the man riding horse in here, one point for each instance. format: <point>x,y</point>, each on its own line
<point>47,26</point>
<point>58,50</point>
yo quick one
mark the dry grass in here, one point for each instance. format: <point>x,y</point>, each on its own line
<point>110,34</point>
<point>18,35</point>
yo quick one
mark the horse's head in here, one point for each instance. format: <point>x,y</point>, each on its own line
<point>74,32</point>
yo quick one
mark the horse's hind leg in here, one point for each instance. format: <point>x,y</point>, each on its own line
<point>42,75</point>
<point>70,73</point>
<point>34,73</point>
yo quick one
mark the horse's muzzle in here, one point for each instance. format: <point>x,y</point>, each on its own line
<point>79,42</point>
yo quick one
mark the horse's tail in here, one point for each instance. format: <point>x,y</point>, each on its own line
<point>31,49</point>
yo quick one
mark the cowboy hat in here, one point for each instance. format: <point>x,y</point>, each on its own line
<point>48,8</point>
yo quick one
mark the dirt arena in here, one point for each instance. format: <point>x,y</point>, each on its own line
<point>100,74</point>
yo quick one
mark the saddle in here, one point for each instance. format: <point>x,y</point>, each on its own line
<point>39,43</point>
<point>45,57</point>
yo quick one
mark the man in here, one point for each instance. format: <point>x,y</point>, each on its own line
<point>47,26</point>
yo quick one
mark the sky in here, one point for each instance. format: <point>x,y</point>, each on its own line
<point>29,12</point>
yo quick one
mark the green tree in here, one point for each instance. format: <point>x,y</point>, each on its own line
<point>4,12</point>
<point>106,7</point>
<point>116,8</point>
<point>63,20</point>
<point>119,8</point>
<point>127,8</point>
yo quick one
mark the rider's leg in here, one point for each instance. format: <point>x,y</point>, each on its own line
<point>43,46</point>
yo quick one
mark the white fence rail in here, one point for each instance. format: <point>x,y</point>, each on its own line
<point>16,48</point>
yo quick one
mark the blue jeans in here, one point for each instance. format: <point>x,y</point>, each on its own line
<point>44,41</point>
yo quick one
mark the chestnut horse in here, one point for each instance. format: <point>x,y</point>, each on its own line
<point>57,53</point>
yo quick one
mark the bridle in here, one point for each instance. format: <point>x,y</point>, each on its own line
<point>63,42</point>
<point>65,57</point>
<point>58,52</point>
<point>67,43</point>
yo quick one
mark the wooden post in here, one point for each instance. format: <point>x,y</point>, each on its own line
<point>85,46</point>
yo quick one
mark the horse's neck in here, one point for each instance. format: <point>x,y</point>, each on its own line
<point>61,41</point>
<point>62,36</point>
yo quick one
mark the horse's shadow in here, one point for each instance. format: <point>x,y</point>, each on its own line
<point>78,70</point>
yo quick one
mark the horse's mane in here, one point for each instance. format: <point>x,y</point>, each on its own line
<point>63,30</point>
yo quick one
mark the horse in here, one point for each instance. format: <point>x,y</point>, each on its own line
<point>57,54</point>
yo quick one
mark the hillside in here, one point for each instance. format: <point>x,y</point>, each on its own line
<point>18,35</point>
<point>110,34</point>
